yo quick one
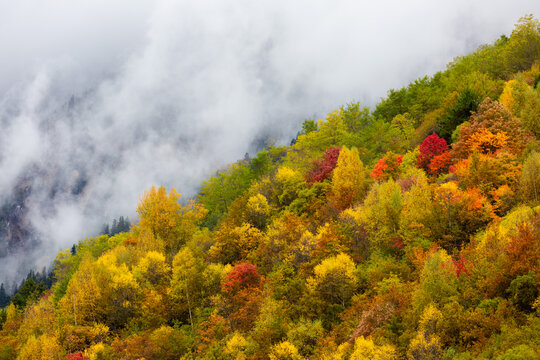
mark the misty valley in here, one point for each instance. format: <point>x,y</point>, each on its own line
<point>408,229</point>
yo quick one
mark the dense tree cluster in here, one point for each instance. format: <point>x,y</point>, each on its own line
<point>409,232</point>
<point>117,226</point>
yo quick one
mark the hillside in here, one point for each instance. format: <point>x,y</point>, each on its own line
<point>407,231</point>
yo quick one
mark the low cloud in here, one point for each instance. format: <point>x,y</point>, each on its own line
<point>100,101</point>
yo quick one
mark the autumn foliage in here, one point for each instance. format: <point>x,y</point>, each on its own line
<point>322,168</point>
<point>387,167</point>
<point>433,146</point>
<point>299,254</point>
<point>75,356</point>
<point>241,288</point>
<point>523,250</point>
<point>461,266</point>
<point>440,164</point>
<point>242,276</point>
<point>491,128</point>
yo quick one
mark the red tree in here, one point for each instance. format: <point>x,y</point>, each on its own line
<point>432,146</point>
<point>387,167</point>
<point>322,168</point>
<point>75,356</point>
<point>242,276</point>
<point>243,296</point>
<point>461,266</point>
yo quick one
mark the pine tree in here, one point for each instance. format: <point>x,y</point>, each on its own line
<point>4,298</point>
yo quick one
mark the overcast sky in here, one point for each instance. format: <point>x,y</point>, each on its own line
<point>165,92</point>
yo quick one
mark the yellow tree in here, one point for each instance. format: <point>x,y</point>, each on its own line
<point>514,95</point>
<point>153,274</point>
<point>424,347</point>
<point>38,319</point>
<point>233,244</point>
<point>281,241</point>
<point>348,180</point>
<point>284,351</point>
<point>153,270</point>
<point>162,214</point>
<point>366,349</point>
<point>13,319</point>
<point>507,96</point>
<point>83,294</point>
<point>288,183</point>
<point>154,309</point>
<point>44,347</point>
<point>158,211</point>
<point>257,211</point>
<point>186,282</point>
<point>118,289</point>
<point>329,242</point>
<point>334,280</point>
<point>236,347</point>
<point>146,242</point>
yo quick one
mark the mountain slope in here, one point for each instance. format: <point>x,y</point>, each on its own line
<point>412,231</point>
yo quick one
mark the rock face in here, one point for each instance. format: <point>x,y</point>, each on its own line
<point>15,229</point>
<point>20,241</point>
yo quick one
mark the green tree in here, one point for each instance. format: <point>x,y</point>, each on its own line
<point>530,112</point>
<point>530,178</point>
<point>380,213</point>
<point>402,130</point>
<point>355,117</point>
<point>218,192</point>
<point>523,291</point>
<point>438,282</point>
<point>466,103</point>
<point>523,48</point>
<point>28,292</point>
<point>309,126</point>
<point>4,298</point>
<point>417,217</point>
<point>305,334</point>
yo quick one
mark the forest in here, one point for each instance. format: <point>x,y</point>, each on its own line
<point>407,231</point>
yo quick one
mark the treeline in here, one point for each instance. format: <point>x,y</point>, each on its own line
<point>117,226</point>
<point>34,285</point>
<point>408,232</point>
<point>38,282</point>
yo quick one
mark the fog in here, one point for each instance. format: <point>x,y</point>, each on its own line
<point>99,100</point>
